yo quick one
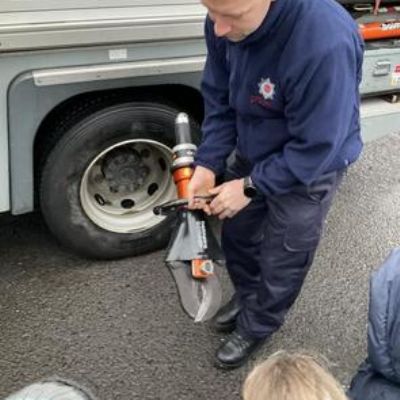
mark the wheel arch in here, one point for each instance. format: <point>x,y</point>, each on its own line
<point>39,106</point>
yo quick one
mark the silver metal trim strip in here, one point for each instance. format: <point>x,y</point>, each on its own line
<point>62,76</point>
<point>67,38</point>
<point>99,23</point>
<point>32,5</point>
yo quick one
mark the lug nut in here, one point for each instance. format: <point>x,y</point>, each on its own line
<point>100,200</point>
<point>127,204</point>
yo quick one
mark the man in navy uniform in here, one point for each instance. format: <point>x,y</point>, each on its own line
<point>280,87</point>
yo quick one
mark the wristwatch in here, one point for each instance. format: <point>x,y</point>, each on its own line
<point>249,189</point>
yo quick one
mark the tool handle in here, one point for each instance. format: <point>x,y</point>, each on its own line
<point>174,205</point>
<point>170,206</point>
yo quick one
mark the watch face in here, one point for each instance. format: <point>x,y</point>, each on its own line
<point>250,191</point>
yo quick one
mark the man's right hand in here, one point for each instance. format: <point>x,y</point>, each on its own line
<point>202,181</point>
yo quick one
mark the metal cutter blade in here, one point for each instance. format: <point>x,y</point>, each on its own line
<point>200,298</point>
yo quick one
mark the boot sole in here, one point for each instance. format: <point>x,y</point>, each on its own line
<point>228,367</point>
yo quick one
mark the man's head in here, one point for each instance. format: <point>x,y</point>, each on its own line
<point>236,19</point>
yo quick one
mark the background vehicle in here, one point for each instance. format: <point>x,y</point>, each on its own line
<point>88,96</point>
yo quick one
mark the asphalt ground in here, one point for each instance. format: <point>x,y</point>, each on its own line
<point>117,327</point>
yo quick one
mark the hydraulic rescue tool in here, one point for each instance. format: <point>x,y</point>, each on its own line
<point>193,250</point>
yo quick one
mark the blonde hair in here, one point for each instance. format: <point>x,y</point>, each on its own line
<point>286,376</point>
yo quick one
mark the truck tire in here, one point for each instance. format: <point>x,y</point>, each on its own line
<point>103,177</point>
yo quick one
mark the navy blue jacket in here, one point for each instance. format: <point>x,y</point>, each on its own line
<point>378,377</point>
<point>286,97</point>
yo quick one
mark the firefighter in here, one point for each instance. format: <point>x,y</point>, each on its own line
<point>280,87</point>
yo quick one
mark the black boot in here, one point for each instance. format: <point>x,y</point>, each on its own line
<point>225,319</point>
<point>236,350</point>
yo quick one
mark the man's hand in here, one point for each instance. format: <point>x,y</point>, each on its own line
<point>202,181</point>
<point>229,199</point>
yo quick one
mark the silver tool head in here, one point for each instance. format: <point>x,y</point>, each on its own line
<point>200,298</point>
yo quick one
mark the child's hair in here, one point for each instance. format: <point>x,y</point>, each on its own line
<point>286,376</point>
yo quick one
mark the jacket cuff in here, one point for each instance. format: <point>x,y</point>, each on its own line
<point>259,186</point>
<point>207,165</point>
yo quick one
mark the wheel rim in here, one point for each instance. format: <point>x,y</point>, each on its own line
<point>123,183</point>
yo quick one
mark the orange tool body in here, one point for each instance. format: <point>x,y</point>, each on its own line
<point>182,171</point>
<point>182,178</point>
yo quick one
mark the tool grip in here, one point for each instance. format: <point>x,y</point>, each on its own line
<point>170,206</point>
<point>173,205</point>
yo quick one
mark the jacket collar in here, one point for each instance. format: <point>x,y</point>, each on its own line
<point>274,18</point>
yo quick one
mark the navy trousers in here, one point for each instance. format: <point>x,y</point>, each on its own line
<point>269,247</point>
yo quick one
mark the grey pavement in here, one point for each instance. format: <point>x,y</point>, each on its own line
<point>117,327</point>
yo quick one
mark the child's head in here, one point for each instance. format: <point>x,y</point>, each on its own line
<point>286,376</point>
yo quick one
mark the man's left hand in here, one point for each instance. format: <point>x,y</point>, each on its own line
<point>229,199</point>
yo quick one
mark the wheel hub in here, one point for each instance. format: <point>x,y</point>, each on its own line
<point>124,170</point>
